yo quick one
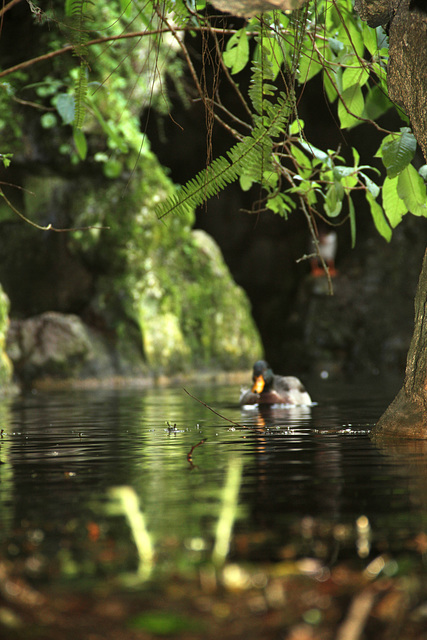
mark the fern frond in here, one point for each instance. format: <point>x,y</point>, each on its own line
<point>262,77</point>
<point>203,186</point>
<point>250,157</point>
<point>178,9</point>
<point>79,36</point>
<point>80,94</point>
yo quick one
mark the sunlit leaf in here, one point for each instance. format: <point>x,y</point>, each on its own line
<point>370,38</point>
<point>378,217</point>
<point>296,127</point>
<point>309,65</point>
<point>246,182</point>
<point>236,55</point>
<point>303,161</point>
<point>412,190</point>
<point>354,76</point>
<point>393,205</point>
<point>275,54</point>
<point>351,107</point>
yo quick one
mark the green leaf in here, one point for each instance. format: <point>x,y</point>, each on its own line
<point>246,182</point>
<point>370,38</point>
<point>304,163</point>
<point>412,190</point>
<point>354,76</point>
<point>393,205</point>
<point>376,103</point>
<point>236,54</point>
<point>6,158</point>
<point>65,105</point>
<point>378,216</point>
<point>80,142</point>
<point>281,204</point>
<point>330,83</point>
<point>371,185</point>
<point>275,54</point>
<point>317,153</point>
<point>351,107</point>
<point>355,37</point>
<point>333,199</point>
<point>296,127</point>
<point>308,65</point>
<point>398,151</point>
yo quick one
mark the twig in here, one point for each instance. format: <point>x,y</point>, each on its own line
<point>213,410</point>
<point>47,227</point>
<point>190,453</point>
<point>8,6</point>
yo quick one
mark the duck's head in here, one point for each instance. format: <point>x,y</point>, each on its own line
<point>262,377</point>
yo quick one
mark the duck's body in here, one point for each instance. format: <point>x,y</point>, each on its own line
<point>271,389</point>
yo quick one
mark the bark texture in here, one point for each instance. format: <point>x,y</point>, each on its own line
<point>406,23</point>
<point>406,417</point>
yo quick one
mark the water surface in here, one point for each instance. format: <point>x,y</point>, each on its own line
<point>281,483</point>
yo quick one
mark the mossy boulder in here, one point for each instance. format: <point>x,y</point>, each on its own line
<point>148,296</point>
<point>166,279</point>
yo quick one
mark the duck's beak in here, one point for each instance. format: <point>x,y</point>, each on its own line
<point>259,384</point>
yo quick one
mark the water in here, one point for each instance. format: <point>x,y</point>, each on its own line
<point>99,483</point>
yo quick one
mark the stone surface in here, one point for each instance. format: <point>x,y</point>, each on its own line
<point>48,344</point>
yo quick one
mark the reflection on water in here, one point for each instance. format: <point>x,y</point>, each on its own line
<point>97,483</point>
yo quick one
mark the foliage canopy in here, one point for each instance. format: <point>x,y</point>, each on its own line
<point>280,52</point>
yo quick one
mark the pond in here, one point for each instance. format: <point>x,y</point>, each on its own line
<point>143,482</point>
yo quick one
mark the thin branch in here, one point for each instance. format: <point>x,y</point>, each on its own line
<point>49,227</point>
<point>90,43</point>
<point>8,6</point>
<point>213,410</point>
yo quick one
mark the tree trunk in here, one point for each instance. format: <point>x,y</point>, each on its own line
<point>406,417</point>
<point>406,23</point>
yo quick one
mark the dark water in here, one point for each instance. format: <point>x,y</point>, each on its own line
<point>95,483</point>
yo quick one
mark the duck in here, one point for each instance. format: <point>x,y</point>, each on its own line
<point>269,388</point>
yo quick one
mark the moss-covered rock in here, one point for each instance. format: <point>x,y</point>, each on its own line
<point>156,296</point>
<point>165,278</point>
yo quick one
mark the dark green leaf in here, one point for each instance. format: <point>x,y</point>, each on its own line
<point>398,152</point>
